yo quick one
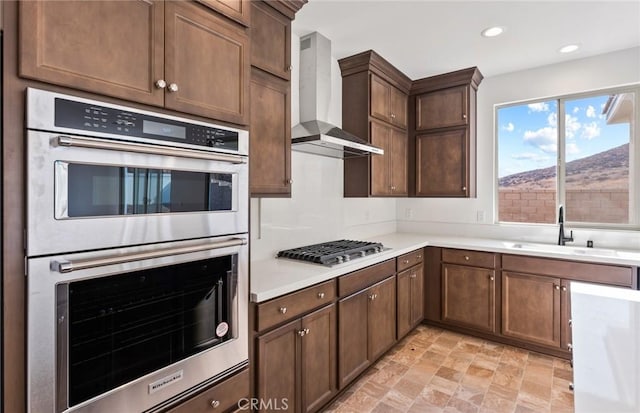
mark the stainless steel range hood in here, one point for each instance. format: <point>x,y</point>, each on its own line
<point>314,134</point>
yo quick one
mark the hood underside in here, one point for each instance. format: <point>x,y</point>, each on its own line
<point>322,138</point>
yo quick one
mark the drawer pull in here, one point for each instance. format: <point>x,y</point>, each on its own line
<point>564,288</point>
<point>570,347</point>
<point>306,331</point>
<point>466,258</point>
<point>405,261</point>
<point>419,257</point>
<point>215,404</point>
<point>283,310</point>
<point>373,297</point>
<point>413,275</point>
<point>321,295</point>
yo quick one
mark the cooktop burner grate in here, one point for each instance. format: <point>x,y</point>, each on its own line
<point>332,252</point>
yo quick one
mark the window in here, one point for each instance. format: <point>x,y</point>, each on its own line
<point>577,151</point>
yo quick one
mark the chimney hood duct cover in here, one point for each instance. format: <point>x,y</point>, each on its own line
<point>313,134</point>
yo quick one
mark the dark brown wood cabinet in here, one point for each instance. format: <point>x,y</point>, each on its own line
<point>270,134</point>
<point>367,328</point>
<point>374,108</point>
<point>225,396</point>
<point>410,289</point>
<point>157,53</point>
<point>444,134</point>
<point>238,10</point>
<point>531,308</point>
<point>297,362</point>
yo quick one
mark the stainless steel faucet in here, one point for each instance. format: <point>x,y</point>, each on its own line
<point>561,238</point>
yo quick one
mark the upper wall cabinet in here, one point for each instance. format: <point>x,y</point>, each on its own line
<point>374,108</point>
<point>271,40</point>
<point>180,55</point>
<point>444,134</point>
<point>238,10</point>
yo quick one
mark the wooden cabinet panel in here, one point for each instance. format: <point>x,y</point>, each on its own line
<point>293,305</point>
<point>432,284</point>
<point>398,162</point>
<point>468,296</point>
<point>208,59</point>
<point>531,308</point>
<point>358,280</point>
<point>238,10</point>
<point>224,396</point>
<point>471,258</point>
<point>409,259</point>
<point>442,108</point>
<point>382,317</point>
<point>270,135</point>
<point>319,362</point>
<point>410,299</point>
<point>271,40</point>
<point>417,295</point>
<point>565,314</point>
<point>380,137</point>
<point>278,355</point>
<point>380,99</point>
<point>441,165</point>
<point>398,108</point>
<point>58,44</point>
<point>353,356</point>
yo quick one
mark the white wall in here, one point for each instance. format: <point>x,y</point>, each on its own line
<point>317,210</point>
<point>460,216</point>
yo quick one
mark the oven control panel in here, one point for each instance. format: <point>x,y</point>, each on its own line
<point>91,117</point>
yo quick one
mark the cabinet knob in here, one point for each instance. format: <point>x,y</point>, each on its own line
<point>466,258</point>
<point>301,333</point>
<point>564,288</point>
<point>464,116</point>
<point>570,347</point>
<point>215,403</point>
<point>283,310</point>
<point>321,295</point>
<point>288,181</point>
<point>405,261</point>
<point>160,84</point>
<point>570,322</point>
<point>393,116</point>
<point>306,331</point>
<point>464,188</point>
<point>419,257</point>
<point>413,275</point>
<point>491,277</point>
<point>373,297</point>
<point>173,87</point>
<point>557,287</point>
<point>289,68</point>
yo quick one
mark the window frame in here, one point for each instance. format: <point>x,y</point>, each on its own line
<point>634,158</point>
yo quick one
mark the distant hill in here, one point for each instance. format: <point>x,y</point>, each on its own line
<point>604,170</point>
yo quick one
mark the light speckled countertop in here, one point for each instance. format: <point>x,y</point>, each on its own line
<point>274,277</point>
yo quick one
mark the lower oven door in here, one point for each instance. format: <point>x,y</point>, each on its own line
<point>88,193</point>
<point>128,329</point>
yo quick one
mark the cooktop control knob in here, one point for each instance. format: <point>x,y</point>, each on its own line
<point>339,259</point>
<point>346,258</point>
<point>363,253</point>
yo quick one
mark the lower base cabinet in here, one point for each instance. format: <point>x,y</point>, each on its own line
<point>221,397</point>
<point>362,342</point>
<point>296,363</point>
<point>410,299</point>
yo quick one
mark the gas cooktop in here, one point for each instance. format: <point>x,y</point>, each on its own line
<point>333,252</point>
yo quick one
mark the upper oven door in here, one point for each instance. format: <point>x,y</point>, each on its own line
<point>89,193</point>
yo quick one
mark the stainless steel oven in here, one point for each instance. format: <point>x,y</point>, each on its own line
<point>104,176</point>
<point>137,255</point>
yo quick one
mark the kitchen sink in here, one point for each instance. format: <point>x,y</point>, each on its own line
<point>572,250</point>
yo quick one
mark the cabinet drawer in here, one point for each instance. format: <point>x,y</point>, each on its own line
<point>219,398</point>
<point>572,270</point>
<point>409,260</point>
<point>358,280</point>
<point>292,305</point>
<point>466,257</point>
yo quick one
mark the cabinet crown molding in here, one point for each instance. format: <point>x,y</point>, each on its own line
<point>469,76</point>
<point>371,61</point>
<point>287,7</point>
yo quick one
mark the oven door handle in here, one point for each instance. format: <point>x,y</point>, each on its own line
<point>93,143</point>
<point>64,267</point>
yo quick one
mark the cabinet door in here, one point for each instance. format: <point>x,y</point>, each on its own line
<point>277,364</point>
<point>398,108</point>
<point>565,314</point>
<point>468,296</point>
<point>318,358</point>
<point>271,40</point>
<point>112,48</point>
<point>224,396</point>
<point>206,64</point>
<point>270,134</point>
<point>531,308</point>
<point>442,164</point>
<point>380,99</point>
<point>238,10</point>
<point>353,357</point>
<point>398,162</point>
<point>442,108</point>
<point>380,164</point>
<point>382,317</point>
<point>417,295</point>
<point>404,303</point>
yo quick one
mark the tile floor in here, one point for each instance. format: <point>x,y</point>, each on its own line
<point>434,370</point>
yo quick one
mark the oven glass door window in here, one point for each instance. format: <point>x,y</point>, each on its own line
<point>123,327</point>
<point>102,190</point>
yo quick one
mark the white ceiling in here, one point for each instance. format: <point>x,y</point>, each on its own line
<point>424,37</point>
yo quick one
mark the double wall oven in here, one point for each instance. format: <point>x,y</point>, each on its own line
<point>137,255</point>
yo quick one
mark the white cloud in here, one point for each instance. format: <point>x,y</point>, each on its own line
<point>538,107</point>
<point>571,126</point>
<point>509,127</point>
<point>530,156</point>
<point>591,112</point>
<point>552,119</point>
<point>544,138</point>
<point>591,131</point>
<point>576,109</point>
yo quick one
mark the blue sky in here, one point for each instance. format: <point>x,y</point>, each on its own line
<point>527,133</point>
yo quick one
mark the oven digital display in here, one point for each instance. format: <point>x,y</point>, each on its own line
<point>164,129</point>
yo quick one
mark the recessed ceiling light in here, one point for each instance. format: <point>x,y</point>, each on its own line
<point>493,31</point>
<point>569,48</point>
